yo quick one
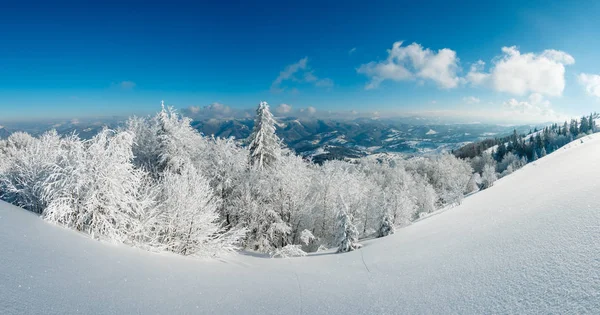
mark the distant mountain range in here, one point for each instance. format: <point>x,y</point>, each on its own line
<point>330,139</point>
<point>324,139</point>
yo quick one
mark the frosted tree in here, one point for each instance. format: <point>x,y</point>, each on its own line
<point>184,219</point>
<point>291,183</point>
<point>386,225</point>
<point>178,142</point>
<point>95,189</point>
<point>254,200</point>
<point>264,144</point>
<point>166,141</point>
<point>28,163</point>
<point>474,183</point>
<point>225,163</point>
<point>337,181</point>
<point>347,234</point>
<point>488,177</point>
<point>425,196</point>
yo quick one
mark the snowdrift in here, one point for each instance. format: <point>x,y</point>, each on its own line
<point>530,244</point>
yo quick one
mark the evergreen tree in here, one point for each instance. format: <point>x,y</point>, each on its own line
<point>265,146</point>
<point>347,233</point>
<point>386,226</point>
<point>583,125</point>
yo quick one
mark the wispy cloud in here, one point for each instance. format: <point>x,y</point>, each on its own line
<point>127,85</point>
<point>351,51</point>
<point>535,108</point>
<point>299,72</point>
<point>214,110</point>
<point>471,100</point>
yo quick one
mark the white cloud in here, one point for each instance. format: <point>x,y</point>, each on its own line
<point>194,109</point>
<point>215,109</point>
<point>127,85</point>
<point>414,63</point>
<point>534,108</point>
<point>591,83</point>
<point>299,72</point>
<point>283,109</point>
<point>520,74</point>
<point>476,75</point>
<point>351,51</point>
<point>309,110</point>
<point>471,100</point>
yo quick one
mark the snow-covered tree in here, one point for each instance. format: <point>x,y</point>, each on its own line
<point>184,219</point>
<point>224,165</point>
<point>474,183</point>
<point>386,226</point>
<point>254,199</point>
<point>95,188</point>
<point>28,163</point>
<point>166,141</point>
<point>488,177</point>
<point>347,234</point>
<point>264,144</point>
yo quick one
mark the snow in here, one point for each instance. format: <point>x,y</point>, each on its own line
<point>529,244</point>
<point>431,132</point>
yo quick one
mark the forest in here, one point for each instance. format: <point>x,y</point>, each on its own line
<point>158,184</point>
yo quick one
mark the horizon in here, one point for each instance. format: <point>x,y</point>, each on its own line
<point>506,62</point>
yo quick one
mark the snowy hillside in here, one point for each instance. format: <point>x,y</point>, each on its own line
<point>529,244</point>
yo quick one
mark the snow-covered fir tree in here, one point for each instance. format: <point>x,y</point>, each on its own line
<point>347,234</point>
<point>386,226</point>
<point>265,146</point>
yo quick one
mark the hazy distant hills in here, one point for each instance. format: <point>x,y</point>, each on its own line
<point>4,133</point>
<point>326,139</point>
<point>323,139</point>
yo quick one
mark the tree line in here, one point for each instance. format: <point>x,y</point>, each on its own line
<point>158,184</point>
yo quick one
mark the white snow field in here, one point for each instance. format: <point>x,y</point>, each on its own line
<point>530,244</point>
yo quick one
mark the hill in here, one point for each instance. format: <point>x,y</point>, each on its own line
<point>529,244</point>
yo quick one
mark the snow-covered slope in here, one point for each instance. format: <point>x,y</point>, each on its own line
<point>530,244</point>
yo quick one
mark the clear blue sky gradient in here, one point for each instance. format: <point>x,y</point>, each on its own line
<point>69,59</point>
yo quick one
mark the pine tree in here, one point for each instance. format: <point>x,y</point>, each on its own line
<point>347,233</point>
<point>386,226</point>
<point>265,146</point>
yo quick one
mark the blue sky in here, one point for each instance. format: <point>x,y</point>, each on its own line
<point>76,59</point>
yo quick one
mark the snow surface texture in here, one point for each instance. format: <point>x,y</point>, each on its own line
<point>529,244</point>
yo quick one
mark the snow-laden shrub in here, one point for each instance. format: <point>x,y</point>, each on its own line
<point>307,237</point>
<point>27,165</point>
<point>288,251</point>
